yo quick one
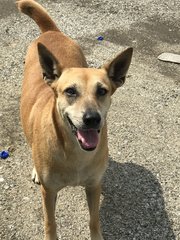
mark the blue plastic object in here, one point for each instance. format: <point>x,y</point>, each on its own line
<point>4,154</point>
<point>100,38</point>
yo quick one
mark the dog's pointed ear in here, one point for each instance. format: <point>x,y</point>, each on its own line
<point>118,67</point>
<point>50,66</point>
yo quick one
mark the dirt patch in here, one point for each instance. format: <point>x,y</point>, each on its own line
<point>7,8</point>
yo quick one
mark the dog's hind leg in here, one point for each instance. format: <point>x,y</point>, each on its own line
<point>93,198</point>
<point>49,202</point>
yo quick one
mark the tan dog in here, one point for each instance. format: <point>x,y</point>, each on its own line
<point>63,111</point>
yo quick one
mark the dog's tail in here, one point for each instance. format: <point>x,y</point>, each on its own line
<point>38,14</point>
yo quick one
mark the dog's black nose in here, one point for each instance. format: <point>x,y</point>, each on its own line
<point>92,119</point>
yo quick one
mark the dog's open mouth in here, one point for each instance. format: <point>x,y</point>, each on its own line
<point>87,138</point>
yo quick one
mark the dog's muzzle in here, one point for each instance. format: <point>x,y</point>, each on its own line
<point>88,134</point>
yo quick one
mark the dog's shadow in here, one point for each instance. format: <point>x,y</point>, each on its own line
<point>133,206</point>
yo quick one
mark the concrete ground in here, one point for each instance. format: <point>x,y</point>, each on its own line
<point>140,198</point>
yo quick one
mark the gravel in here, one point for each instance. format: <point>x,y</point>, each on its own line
<point>140,198</point>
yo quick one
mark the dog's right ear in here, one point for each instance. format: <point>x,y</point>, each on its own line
<point>50,66</point>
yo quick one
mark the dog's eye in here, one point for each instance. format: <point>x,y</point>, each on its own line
<point>101,91</point>
<point>71,92</point>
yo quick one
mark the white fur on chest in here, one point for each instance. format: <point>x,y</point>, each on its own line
<point>73,171</point>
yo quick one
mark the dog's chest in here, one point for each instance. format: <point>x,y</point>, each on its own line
<point>69,177</point>
<point>72,173</point>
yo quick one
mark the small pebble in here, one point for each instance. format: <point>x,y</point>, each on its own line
<point>6,187</point>
<point>1,179</point>
<point>26,199</point>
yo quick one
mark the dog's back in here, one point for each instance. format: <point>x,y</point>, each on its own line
<point>66,51</point>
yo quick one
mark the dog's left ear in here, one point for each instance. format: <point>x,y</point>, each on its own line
<point>50,66</point>
<point>118,67</point>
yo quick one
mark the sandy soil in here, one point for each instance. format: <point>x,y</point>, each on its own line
<point>140,198</point>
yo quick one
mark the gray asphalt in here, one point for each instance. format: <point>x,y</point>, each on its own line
<point>140,198</point>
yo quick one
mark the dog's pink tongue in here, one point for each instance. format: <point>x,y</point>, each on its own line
<point>88,138</point>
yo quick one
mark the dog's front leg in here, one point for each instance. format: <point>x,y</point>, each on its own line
<point>93,197</point>
<point>49,201</point>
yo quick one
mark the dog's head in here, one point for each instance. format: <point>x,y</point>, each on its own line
<point>84,94</point>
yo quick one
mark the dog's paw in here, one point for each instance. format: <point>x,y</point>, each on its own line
<point>35,177</point>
